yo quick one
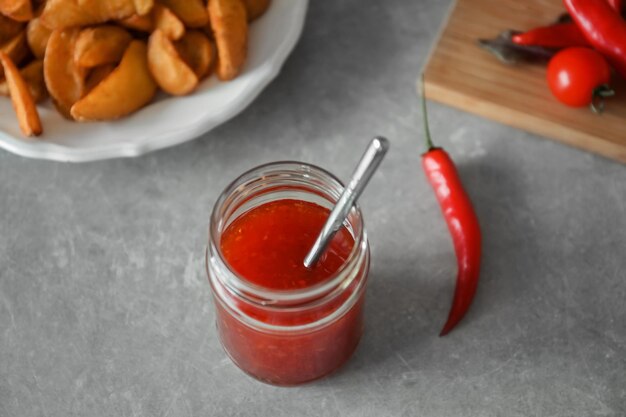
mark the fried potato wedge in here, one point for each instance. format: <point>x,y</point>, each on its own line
<point>255,8</point>
<point>96,75</point>
<point>191,12</point>
<point>196,50</point>
<point>139,23</point>
<point>37,36</point>
<point>101,45</point>
<point>9,28</point>
<point>169,70</point>
<point>143,7</point>
<point>33,75</point>
<point>59,14</point>
<point>167,22</point>
<point>23,102</point>
<point>65,80</point>
<point>20,10</point>
<point>112,9</point>
<point>16,49</point>
<point>125,90</point>
<point>230,28</point>
<point>208,30</point>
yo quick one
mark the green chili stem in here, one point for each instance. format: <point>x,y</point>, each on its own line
<point>429,141</point>
<point>599,94</point>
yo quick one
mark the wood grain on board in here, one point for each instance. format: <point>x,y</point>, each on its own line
<point>461,74</point>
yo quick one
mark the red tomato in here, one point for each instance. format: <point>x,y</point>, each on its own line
<point>577,76</point>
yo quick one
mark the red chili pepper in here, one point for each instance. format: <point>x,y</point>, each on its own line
<point>603,27</point>
<point>462,223</point>
<point>561,35</point>
<point>616,5</point>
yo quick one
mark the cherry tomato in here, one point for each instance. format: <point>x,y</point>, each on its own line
<point>579,77</point>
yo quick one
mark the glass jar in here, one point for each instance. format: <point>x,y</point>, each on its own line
<point>287,337</point>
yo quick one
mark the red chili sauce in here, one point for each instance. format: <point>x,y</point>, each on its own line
<point>266,246</point>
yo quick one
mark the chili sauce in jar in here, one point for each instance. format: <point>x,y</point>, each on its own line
<point>278,321</point>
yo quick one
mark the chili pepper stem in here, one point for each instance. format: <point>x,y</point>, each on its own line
<point>599,94</point>
<point>429,141</point>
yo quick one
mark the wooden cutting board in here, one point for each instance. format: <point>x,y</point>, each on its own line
<point>461,74</point>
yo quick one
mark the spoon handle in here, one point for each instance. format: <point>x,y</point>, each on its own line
<point>368,164</point>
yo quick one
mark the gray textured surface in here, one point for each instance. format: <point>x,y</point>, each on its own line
<point>105,309</point>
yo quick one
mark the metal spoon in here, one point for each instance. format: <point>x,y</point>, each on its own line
<point>370,160</point>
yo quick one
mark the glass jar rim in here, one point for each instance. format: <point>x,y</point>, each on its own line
<point>263,295</point>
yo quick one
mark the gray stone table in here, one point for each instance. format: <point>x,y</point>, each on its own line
<point>105,309</point>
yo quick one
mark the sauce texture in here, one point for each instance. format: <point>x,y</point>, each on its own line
<point>267,245</point>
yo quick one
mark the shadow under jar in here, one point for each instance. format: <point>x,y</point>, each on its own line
<point>286,334</point>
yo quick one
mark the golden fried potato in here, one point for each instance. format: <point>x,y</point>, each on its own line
<point>143,7</point>
<point>166,21</point>
<point>101,45</point>
<point>16,49</point>
<point>59,14</point>
<point>33,75</point>
<point>197,52</point>
<point>65,80</point>
<point>23,102</point>
<point>208,31</point>
<point>96,75</point>
<point>191,12</point>
<point>255,8</point>
<point>169,70</point>
<point>37,36</point>
<point>113,9</point>
<point>128,88</point>
<point>9,28</point>
<point>20,10</point>
<point>4,87</point>
<point>139,23</point>
<point>230,28</point>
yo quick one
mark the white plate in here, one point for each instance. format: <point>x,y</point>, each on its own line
<point>168,121</point>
